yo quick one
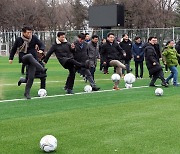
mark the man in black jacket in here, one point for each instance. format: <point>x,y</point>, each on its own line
<point>81,55</point>
<point>126,45</point>
<point>152,63</point>
<point>112,52</point>
<point>25,45</point>
<point>157,48</point>
<point>177,46</point>
<point>63,52</point>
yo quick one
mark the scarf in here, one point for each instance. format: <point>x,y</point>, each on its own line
<point>25,45</point>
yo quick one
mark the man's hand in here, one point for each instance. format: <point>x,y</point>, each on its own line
<point>154,63</point>
<point>40,51</point>
<point>10,61</point>
<point>138,56</point>
<point>124,54</point>
<point>72,46</point>
<point>104,63</point>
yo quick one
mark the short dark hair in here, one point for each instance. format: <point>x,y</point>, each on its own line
<point>137,37</point>
<point>168,42</point>
<point>86,34</point>
<point>150,38</point>
<point>81,36</point>
<point>110,33</point>
<point>124,34</point>
<point>94,36</point>
<point>60,34</point>
<point>24,29</point>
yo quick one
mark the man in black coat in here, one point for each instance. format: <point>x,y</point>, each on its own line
<point>63,51</point>
<point>157,48</point>
<point>111,52</point>
<point>26,47</point>
<point>126,45</point>
<point>177,46</point>
<point>80,53</point>
<point>152,63</point>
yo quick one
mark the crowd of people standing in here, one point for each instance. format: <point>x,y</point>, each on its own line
<point>81,56</point>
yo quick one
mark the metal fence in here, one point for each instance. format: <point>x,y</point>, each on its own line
<point>48,37</point>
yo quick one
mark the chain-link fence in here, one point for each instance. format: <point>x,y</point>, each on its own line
<point>48,37</point>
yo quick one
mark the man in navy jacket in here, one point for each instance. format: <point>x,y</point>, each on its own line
<point>138,55</point>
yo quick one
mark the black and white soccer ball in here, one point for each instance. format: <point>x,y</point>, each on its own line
<point>159,92</point>
<point>129,78</point>
<point>115,77</point>
<point>48,143</point>
<point>42,93</point>
<point>88,88</point>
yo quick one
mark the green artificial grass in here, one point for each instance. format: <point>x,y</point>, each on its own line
<point>124,121</point>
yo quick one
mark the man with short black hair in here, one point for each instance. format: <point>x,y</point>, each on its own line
<point>152,63</point>
<point>63,52</point>
<point>26,47</point>
<point>93,53</point>
<point>126,45</point>
<point>138,54</point>
<point>87,37</point>
<point>112,52</point>
<point>81,55</point>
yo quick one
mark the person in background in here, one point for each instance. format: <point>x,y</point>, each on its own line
<point>138,55</point>
<point>157,48</point>
<point>111,52</point>
<point>103,67</point>
<point>26,47</point>
<point>80,53</point>
<point>177,47</point>
<point>93,53</point>
<point>152,63</point>
<point>126,45</point>
<point>87,37</point>
<point>170,58</point>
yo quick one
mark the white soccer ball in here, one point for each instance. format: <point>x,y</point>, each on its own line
<point>115,77</point>
<point>128,85</point>
<point>129,78</point>
<point>159,92</point>
<point>48,143</point>
<point>88,88</point>
<point>42,93</point>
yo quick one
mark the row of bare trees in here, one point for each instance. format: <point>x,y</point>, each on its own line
<point>73,14</point>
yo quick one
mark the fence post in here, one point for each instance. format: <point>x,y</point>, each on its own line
<point>102,34</point>
<point>173,34</point>
<point>147,32</point>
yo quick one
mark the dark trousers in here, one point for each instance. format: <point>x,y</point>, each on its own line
<point>86,72</point>
<point>137,64</point>
<point>23,68</point>
<point>70,65</point>
<point>157,75</point>
<point>42,84</point>
<point>127,63</point>
<point>92,70</point>
<point>32,64</point>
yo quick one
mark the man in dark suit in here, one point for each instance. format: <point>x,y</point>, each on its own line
<point>152,63</point>
<point>26,47</point>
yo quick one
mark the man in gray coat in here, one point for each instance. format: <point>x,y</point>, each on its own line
<point>93,53</point>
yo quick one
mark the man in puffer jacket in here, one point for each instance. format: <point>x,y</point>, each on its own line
<point>152,63</point>
<point>170,59</point>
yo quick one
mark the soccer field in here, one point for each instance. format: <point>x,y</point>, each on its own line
<point>106,122</point>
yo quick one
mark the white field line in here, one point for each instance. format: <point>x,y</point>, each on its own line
<point>15,84</point>
<point>63,95</point>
